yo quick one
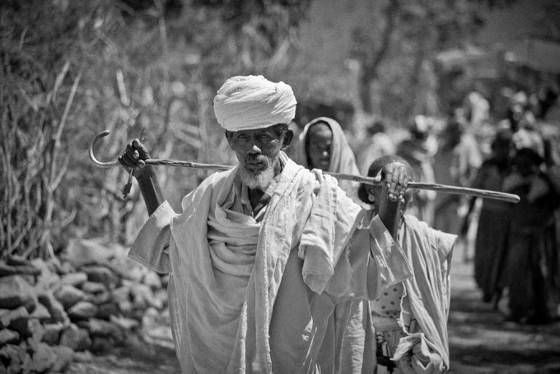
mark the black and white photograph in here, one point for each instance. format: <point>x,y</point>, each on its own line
<point>280,186</point>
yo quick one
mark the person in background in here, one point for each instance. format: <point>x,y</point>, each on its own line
<point>416,149</point>
<point>533,253</point>
<point>409,318</point>
<point>491,242</point>
<point>376,144</point>
<point>456,162</point>
<point>323,145</point>
<point>476,107</point>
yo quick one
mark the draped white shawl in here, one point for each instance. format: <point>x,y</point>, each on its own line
<point>428,291</point>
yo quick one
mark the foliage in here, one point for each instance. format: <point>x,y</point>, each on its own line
<point>397,55</point>
<point>137,68</point>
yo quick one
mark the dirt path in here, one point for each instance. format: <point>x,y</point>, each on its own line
<point>480,342</point>
<point>152,354</point>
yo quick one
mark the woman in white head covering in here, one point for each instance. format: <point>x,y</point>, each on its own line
<point>323,145</point>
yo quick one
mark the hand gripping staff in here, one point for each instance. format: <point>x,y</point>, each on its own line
<point>456,190</point>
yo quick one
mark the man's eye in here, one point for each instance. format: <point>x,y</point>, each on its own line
<point>265,138</point>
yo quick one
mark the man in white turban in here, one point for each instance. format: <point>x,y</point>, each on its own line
<point>258,257</point>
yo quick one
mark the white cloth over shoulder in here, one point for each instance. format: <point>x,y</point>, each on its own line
<point>253,102</point>
<point>429,252</point>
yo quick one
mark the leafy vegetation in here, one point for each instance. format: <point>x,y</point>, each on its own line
<point>137,68</point>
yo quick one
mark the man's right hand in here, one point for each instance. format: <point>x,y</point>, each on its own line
<point>133,157</point>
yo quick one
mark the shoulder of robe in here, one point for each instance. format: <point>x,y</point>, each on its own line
<point>209,184</point>
<point>310,183</point>
<point>214,178</point>
<point>443,242</point>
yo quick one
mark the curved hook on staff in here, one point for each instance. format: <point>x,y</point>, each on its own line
<point>102,164</point>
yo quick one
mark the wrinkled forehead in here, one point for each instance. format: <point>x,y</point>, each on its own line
<point>274,130</point>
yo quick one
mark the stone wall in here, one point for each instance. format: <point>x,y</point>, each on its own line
<point>87,302</point>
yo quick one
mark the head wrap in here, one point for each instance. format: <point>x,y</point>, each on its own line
<point>253,102</point>
<point>342,157</point>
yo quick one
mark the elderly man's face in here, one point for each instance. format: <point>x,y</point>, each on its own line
<point>258,152</point>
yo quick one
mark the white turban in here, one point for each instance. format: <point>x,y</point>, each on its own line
<point>253,102</point>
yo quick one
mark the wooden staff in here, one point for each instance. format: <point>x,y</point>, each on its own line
<point>485,194</point>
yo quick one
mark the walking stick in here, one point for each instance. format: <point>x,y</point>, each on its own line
<point>456,190</point>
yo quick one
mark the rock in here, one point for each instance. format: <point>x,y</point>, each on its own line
<point>43,358</point>
<point>69,295</point>
<point>55,308</point>
<point>122,297</point>
<point>143,296</point>
<point>126,308</point>
<point>93,287</point>
<point>100,274</point>
<point>41,313</point>
<point>28,328</point>
<point>125,323</point>
<point>48,278</point>
<point>162,296</point>
<point>107,310</point>
<point>7,316</point>
<point>104,329</point>
<point>84,356</point>
<point>152,280</point>
<point>15,292</point>
<point>74,279</point>
<point>150,317</point>
<point>84,251</point>
<point>82,310</point>
<point>75,338</point>
<point>126,267</point>
<point>51,334</point>
<point>135,273</point>
<point>122,294</point>
<point>15,358</point>
<point>100,298</point>
<point>45,266</point>
<point>6,270</point>
<point>8,337</point>
<point>64,357</point>
<point>66,267</point>
<point>102,345</point>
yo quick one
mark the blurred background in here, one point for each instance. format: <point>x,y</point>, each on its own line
<point>406,69</point>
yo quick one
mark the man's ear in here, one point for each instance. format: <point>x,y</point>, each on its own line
<point>288,137</point>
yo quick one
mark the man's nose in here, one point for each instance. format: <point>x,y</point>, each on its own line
<point>255,148</point>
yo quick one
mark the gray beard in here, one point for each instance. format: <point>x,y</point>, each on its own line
<point>260,180</point>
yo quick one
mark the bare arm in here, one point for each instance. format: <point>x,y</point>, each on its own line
<point>133,158</point>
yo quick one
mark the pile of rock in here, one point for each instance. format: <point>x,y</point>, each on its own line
<point>54,312</point>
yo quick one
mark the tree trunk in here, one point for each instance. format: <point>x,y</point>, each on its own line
<point>370,67</point>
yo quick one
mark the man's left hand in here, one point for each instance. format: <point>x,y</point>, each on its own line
<point>396,177</point>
